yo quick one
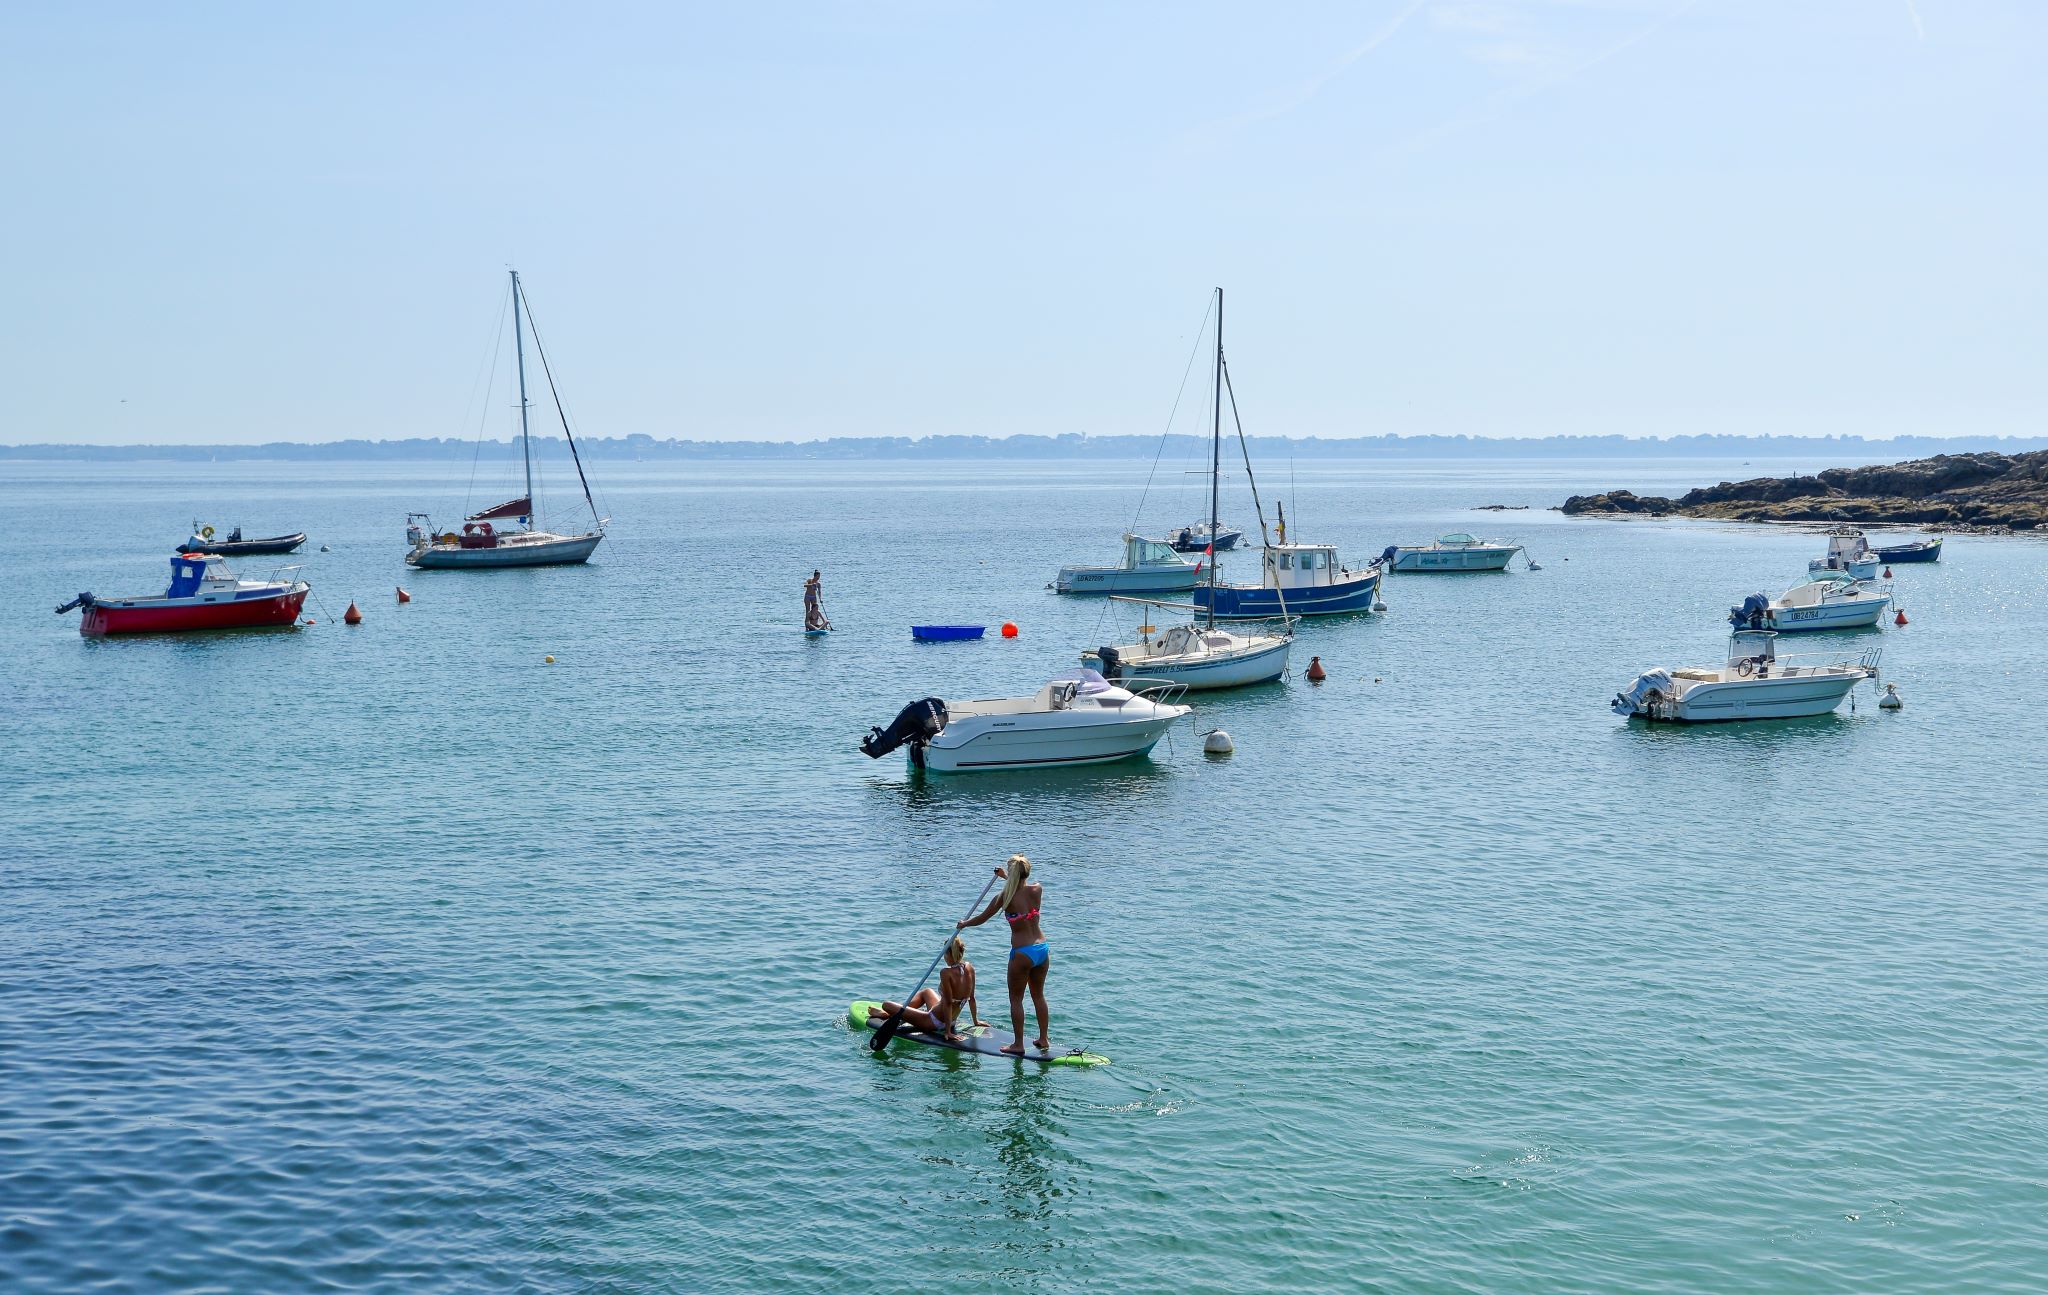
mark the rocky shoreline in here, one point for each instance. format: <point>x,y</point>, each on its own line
<point>1992,492</point>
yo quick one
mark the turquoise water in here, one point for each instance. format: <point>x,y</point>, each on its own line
<point>394,958</point>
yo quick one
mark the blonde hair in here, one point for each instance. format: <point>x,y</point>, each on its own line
<point>955,952</point>
<point>1015,872</point>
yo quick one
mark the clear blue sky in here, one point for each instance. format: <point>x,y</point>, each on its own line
<point>787,221</point>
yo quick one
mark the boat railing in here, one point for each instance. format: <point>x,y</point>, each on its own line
<point>1160,692</point>
<point>1789,665</point>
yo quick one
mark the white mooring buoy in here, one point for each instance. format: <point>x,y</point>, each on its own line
<point>1891,699</point>
<point>1217,742</point>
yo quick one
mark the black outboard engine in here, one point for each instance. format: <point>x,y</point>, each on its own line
<point>1753,613</point>
<point>917,724</point>
<point>1112,663</point>
<point>83,600</point>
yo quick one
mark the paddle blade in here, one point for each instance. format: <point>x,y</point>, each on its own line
<point>888,1030</point>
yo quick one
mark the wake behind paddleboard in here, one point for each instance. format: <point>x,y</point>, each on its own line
<point>979,1039</point>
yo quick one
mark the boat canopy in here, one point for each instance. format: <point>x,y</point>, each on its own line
<point>1090,681</point>
<point>190,570</point>
<point>521,508</point>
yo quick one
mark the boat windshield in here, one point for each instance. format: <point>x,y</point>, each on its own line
<point>1458,538</point>
<point>1144,552</point>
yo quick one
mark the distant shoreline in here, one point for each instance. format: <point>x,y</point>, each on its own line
<point>1837,449</point>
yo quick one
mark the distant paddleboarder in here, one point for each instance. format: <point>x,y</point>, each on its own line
<point>1029,956</point>
<point>814,603</point>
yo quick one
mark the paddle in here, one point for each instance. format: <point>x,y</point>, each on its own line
<point>895,1021</point>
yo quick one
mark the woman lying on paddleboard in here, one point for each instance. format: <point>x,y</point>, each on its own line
<point>1029,957</point>
<point>936,1011</point>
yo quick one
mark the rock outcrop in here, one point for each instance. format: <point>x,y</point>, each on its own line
<point>1991,491</point>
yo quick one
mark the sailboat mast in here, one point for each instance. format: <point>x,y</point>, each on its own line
<point>525,440</point>
<point>1215,457</point>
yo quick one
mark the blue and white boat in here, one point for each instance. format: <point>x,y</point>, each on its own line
<point>1830,600</point>
<point>1196,538</point>
<point>1917,551</point>
<point>1295,580</point>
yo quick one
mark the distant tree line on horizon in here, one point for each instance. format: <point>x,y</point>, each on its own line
<point>1070,445</point>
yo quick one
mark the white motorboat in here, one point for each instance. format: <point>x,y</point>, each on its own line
<point>1454,552</point>
<point>1755,683</point>
<point>1077,718</point>
<point>1848,553</point>
<point>1830,600</point>
<point>1195,656</point>
<point>1149,567</point>
<point>481,544</point>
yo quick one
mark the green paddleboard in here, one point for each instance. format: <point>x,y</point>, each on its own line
<point>977,1039</point>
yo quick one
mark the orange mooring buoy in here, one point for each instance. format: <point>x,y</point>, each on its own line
<point>351,616</point>
<point>403,596</point>
<point>1009,629</point>
<point>1900,619</point>
<point>1316,673</point>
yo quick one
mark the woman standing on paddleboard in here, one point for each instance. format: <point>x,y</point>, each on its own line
<point>1029,957</point>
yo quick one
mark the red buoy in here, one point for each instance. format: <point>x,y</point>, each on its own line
<point>1887,573</point>
<point>1316,673</point>
<point>1009,629</point>
<point>351,616</point>
<point>1900,619</point>
<point>403,596</point>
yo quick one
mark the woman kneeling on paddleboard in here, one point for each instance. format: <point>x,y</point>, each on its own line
<point>1029,957</point>
<point>936,1011</point>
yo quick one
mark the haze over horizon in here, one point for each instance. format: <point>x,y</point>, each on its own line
<point>236,224</point>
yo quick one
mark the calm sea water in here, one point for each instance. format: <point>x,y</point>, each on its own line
<point>394,958</point>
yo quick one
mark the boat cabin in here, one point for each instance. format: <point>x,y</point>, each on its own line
<point>1301,566</point>
<point>190,571</point>
<point>1142,552</point>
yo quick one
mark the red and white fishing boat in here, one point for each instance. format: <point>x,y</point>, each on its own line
<point>204,595</point>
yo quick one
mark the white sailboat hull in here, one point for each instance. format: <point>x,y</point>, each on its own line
<point>542,550</point>
<point>1216,670</point>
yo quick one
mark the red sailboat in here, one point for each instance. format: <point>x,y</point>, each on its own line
<point>203,595</point>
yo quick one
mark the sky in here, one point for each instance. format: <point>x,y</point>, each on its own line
<point>786,221</point>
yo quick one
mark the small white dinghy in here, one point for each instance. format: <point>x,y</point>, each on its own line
<point>1077,718</point>
<point>1755,683</point>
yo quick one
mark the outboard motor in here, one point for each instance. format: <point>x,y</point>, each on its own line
<point>83,600</point>
<point>917,724</point>
<point>1753,614</point>
<point>1112,663</point>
